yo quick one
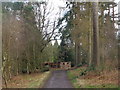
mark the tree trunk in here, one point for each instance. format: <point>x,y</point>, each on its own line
<point>3,77</point>
<point>28,61</point>
<point>102,41</point>
<point>76,62</point>
<point>96,57</point>
<point>119,53</point>
<point>17,62</point>
<point>113,13</point>
<point>78,53</point>
<point>90,41</point>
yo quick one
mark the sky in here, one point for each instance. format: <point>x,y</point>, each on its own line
<point>59,10</point>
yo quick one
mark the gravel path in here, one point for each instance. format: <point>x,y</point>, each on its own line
<point>58,79</point>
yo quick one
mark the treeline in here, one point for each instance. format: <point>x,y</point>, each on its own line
<point>91,34</point>
<point>25,43</point>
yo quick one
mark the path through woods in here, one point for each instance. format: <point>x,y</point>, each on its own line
<point>58,79</point>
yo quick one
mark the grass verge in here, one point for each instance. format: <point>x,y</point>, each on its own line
<point>82,79</point>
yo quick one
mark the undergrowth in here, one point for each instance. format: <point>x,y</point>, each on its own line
<point>88,77</point>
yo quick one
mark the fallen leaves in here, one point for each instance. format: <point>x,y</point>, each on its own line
<point>27,80</point>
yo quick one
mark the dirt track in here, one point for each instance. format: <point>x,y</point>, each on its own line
<point>58,79</point>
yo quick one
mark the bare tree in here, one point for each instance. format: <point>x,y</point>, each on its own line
<point>46,26</point>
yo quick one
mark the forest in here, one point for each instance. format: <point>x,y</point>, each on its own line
<point>83,33</point>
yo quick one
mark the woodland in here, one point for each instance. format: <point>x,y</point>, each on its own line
<point>84,33</point>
